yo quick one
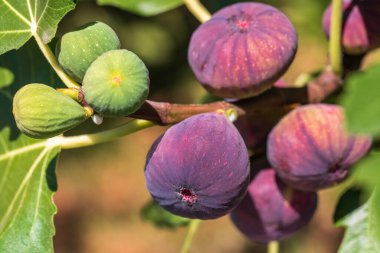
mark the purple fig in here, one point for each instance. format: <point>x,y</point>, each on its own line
<point>310,148</point>
<point>361,30</point>
<point>199,168</point>
<point>271,210</point>
<point>242,50</point>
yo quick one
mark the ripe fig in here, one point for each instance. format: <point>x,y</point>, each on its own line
<point>199,168</point>
<point>116,83</point>
<point>361,31</point>
<point>76,50</point>
<point>310,148</point>
<point>42,112</point>
<point>271,210</point>
<point>242,50</point>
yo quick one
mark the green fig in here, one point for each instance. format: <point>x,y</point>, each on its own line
<point>116,83</point>
<point>42,112</point>
<point>78,49</point>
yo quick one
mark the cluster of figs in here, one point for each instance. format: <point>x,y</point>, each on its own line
<point>200,168</point>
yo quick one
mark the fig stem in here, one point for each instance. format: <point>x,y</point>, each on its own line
<point>193,227</point>
<point>45,49</point>
<point>273,247</point>
<point>96,138</point>
<point>335,46</point>
<point>198,10</point>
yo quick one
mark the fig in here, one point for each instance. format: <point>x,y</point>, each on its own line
<point>271,210</point>
<point>42,112</point>
<point>361,31</point>
<point>310,148</point>
<point>199,168</point>
<point>242,50</point>
<point>116,83</point>
<point>76,50</point>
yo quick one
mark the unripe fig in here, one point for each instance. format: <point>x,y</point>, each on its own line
<point>42,112</point>
<point>116,83</point>
<point>242,50</point>
<point>310,148</point>
<point>271,210</point>
<point>199,168</point>
<point>361,30</point>
<point>78,49</point>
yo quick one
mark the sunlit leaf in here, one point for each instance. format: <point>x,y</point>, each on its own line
<point>143,7</point>
<point>27,184</point>
<point>362,228</point>
<point>21,19</point>
<point>367,172</point>
<point>361,102</point>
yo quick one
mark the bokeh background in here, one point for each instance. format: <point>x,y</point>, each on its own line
<point>102,188</point>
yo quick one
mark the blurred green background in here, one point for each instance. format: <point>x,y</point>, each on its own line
<point>102,188</point>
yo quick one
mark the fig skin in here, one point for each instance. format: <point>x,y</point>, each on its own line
<point>116,83</point>
<point>310,148</point>
<point>76,50</point>
<point>199,168</point>
<point>42,112</point>
<point>242,50</point>
<point>361,30</point>
<point>271,210</point>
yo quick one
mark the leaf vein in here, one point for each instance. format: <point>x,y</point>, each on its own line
<point>18,14</point>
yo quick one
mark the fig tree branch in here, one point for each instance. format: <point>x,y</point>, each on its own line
<point>96,138</point>
<point>264,105</point>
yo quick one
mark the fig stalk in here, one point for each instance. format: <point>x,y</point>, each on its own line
<point>198,10</point>
<point>45,49</point>
<point>193,227</point>
<point>273,247</point>
<point>335,40</point>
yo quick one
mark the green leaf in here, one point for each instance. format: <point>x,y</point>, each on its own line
<point>27,179</point>
<point>6,77</point>
<point>361,102</point>
<point>363,228</point>
<point>27,184</point>
<point>367,171</point>
<point>143,7</point>
<point>22,19</point>
<point>348,202</point>
<point>160,217</point>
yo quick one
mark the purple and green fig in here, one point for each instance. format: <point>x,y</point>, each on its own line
<point>199,168</point>
<point>271,210</point>
<point>310,148</point>
<point>361,30</point>
<point>242,50</point>
<point>76,50</point>
<point>42,112</point>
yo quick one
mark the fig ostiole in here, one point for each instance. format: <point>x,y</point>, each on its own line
<point>271,210</point>
<point>199,168</point>
<point>42,112</point>
<point>310,148</point>
<point>76,50</point>
<point>242,50</point>
<point>116,83</point>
